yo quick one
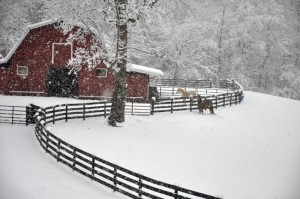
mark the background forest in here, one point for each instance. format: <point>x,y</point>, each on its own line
<point>256,42</point>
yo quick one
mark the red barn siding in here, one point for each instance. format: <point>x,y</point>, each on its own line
<point>35,52</point>
<point>4,77</point>
<point>91,85</point>
<point>137,85</point>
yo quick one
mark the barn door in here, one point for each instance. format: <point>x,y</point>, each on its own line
<point>61,83</point>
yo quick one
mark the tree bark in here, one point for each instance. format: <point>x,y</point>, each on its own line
<point>220,47</point>
<point>119,95</point>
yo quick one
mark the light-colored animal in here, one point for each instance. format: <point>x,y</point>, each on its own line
<point>205,104</point>
<point>186,94</point>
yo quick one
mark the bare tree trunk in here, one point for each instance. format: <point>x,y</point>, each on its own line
<point>119,95</point>
<point>220,53</point>
<point>263,76</point>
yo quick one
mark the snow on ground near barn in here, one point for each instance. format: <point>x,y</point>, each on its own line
<point>41,101</point>
<point>247,151</point>
<point>27,172</point>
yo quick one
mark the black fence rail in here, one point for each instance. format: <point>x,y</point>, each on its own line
<point>191,103</point>
<point>167,92</point>
<point>165,88</point>
<point>92,109</point>
<point>17,114</point>
<point>77,111</point>
<point>181,83</point>
<point>119,179</point>
<point>230,83</point>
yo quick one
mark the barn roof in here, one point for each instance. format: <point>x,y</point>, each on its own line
<point>144,70</point>
<point>30,27</point>
<point>129,68</point>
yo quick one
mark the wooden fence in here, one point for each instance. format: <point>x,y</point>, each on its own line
<point>165,88</point>
<point>91,109</point>
<point>167,92</point>
<point>16,114</point>
<point>106,173</point>
<point>185,103</point>
<point>181,83</point>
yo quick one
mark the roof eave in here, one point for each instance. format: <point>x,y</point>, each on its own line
<point>30,27</point>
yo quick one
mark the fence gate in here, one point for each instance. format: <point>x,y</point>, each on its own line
<point>132,108</point>
<point>13,114</point>
<point>17,114</point>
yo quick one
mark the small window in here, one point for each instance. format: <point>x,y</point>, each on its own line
<point>101,72</point>
<point>22,70</point>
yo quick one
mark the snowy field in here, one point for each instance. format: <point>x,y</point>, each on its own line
<point>27,172</point>
<point>247,151</point>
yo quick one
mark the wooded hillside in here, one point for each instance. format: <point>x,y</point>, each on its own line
<point>255,42</point>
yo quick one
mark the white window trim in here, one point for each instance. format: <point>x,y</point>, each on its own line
<point>56,43</point>
<point>102,69</point>
<point>22,67</point>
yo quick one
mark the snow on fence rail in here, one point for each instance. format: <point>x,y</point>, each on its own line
<point>167,92</point>
<point>92,109</point>
<point>190,103</point>
<point>181,83</point>
<point>106,173</point>
<point>168,87</point>
<point>16,114</point>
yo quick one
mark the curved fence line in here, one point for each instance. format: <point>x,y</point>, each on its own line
<point>196,84</point>
<point>191,103</point>
<point>106,173</point>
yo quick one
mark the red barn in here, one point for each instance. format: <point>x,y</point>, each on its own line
<point>37,65</point>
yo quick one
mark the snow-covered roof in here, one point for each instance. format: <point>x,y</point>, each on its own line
<point>30,27</point>
<point>144,70</point>
<point>130,67</point>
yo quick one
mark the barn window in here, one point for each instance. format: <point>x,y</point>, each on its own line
<point>22,70</point>
<point>101,72</point>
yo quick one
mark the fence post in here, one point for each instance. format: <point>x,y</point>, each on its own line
<point>216,96</point>
<point>53,114</point>
<point>74,157</point>
<point>47,141</point>
<point>58,151</point>
<point>152,105</point>
<point>66,112</point>
<point>236,99</point>
<point>44,116</point>
<point>115,177</point>
<point>223,100</point>
<point>93,165</point>
<point>140,188</point>
<point>27,115</point>
<point>230,98</point>
<point>105,109</point>
<point>12,115</point>
<point>176,193</point>
<point>83,111</point>
<point>159,92</point>
<point>172,102</point>
<point>132,107</point>
<point>191,99</point>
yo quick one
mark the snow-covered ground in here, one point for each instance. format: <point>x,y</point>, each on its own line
<point>247,151</point>
<point>41,101</point>
<point>27,172</point>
